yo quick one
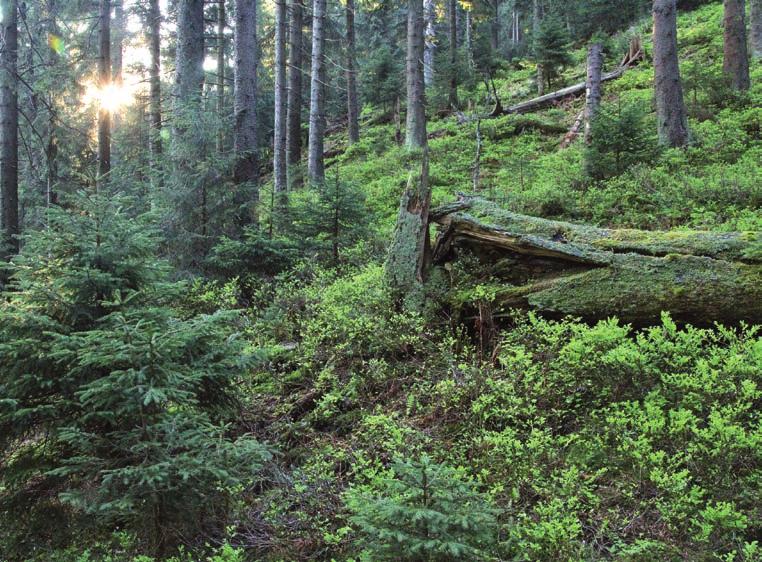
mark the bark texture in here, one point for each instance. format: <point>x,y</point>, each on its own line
<point>415,129</point>
<point>279,127</point>
<point>154,72</point>
<point>189,64</point>
<point>353,106</point>
<point>104,80</point>
<point>756,29</point>
<point>593,85</point>
<point>245,93</point>
<point>735,60</point>
<point>9,121</point>
<point>429,42</point>
<point>670,105</point>
<point>315,164</point>
<point>562,268</point>
<point>294,115</point>
<point>221,24</point>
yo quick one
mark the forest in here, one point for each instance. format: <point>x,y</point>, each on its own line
<point>366,280</point>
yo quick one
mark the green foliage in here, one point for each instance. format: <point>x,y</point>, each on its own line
<point>621,137</point>
<point>551,47</point>
<point>423,511</point>
<point>112,403</point>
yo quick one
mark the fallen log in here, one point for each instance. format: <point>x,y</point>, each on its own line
<point>562,268</point>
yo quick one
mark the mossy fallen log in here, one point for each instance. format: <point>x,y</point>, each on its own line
<point>563,268</point>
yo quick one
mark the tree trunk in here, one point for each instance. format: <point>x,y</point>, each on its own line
<point>221,24</point>
<point>735,62</point>
<point>104,80</point>
<point>593,85</point>
<point>154,46</point>
<point>245,170</point>
<point>415,134</point>
<point>409,255</point>
<point>353,107</point>
<point>189,64</point>
<point>9,122</point>
<point>494,37</point>
<point>568,269</point>
<point>536,19</point>
<point>453,14</point>
<point>429,42</point>
<point>280,164</point>
<point>315,164</point>
<point>294,117</point>
<point>670,106</point>
<point>118,34</point>
<point>756,29</point>
<point>469,32</point>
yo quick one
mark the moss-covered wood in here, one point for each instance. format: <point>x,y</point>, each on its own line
<point>564,268</point>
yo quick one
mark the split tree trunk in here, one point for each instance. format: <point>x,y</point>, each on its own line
<point>670,106</point>
<point>561,268</point>
<point>294,114</point>
<point>280,164</point>
<point>735,61</point>
<point>104,80</point>
<point>315,164</point>
<point>353,106</point>
<point>756,29</point>
<point>593,85</point>
<point>415,129</point>
<point>9,122</point>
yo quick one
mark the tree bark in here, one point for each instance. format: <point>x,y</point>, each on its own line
<point>353,107</point>
<point>153,28</point>
<point>735,61</point>
<point>415,136</point>
<point>429,42</point>
<point>245,170</point>
<point>294,116</point>
<point>495,26</point>
<point>118,33</point>
<point>536,20</point>
<point>189,64</point>
<point>568,269</point>
<point>469,39</point>
<point>315,164</point>
<point>453,15</point>
<point>9,121</point>
<point>593,85</point>
<point>670,106</point>
<point>756,29</point>
<point>104,80</point>
<point>221,24</point>
<point>280,164</point>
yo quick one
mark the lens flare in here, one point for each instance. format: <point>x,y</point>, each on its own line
<point>111,97</point>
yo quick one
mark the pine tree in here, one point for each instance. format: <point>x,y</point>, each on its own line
<point>551,48</point>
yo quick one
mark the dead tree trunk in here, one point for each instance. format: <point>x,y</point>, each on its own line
<point>735,61</point>
<point>561,268</point>
<point>593,89</point>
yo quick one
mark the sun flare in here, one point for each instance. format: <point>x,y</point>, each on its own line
<point>112,97</point>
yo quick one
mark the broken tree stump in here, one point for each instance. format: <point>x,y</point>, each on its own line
<point>562,268</point>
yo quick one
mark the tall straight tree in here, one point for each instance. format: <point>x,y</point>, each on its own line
<point>104,80</point>
<point>536,20</point>
<point>756,29</point>
<point>294,115</point>
<point>735,61</point>
<point>189,64</point>
<point>315,164</point>
<point>429,41</point>
<point>415,129</point>
<point>118,35</point>
<point>452,13</point>
<point>221,24</point>
<point>245,94</point>
<point>9,124</point>
<point>279,130</point>
<point>153,27</point>
<point>353,106</point>
<point>593,85</point>
<point>672,120</point>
